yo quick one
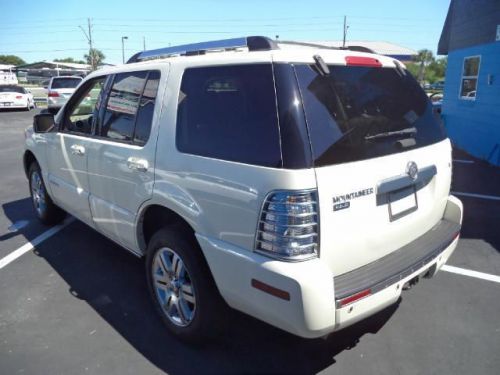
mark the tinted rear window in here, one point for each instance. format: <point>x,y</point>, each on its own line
<point>12,89</point>
<point>65,83</point>
<point>229,113</point>
<point>357,113</point>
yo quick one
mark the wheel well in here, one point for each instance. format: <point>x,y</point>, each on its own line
<point>27,160</point>
<point>156,217</point>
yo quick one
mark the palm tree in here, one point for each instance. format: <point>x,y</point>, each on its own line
<point>424,57</point>
<point>94,58</point>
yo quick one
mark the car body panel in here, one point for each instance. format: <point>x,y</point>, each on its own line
<point>67,173</point>
<point>364,230</point>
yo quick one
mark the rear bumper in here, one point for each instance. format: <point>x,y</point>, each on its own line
<point>8,105</point>
<point>56,102</point>
<point>314,306</point>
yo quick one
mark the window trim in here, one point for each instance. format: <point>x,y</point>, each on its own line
<point>462,77</point>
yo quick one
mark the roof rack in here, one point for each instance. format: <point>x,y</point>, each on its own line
<point>253,43</point>
<point>358,49</point>
<point>323,46</point>
<point>306,44</point>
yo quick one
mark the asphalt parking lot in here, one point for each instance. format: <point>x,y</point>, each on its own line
<point>78,304</point>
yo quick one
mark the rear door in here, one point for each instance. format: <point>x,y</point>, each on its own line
<point>382,163</point>
<point>122,157</point>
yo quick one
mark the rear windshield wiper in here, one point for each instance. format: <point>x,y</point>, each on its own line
<point>390,134</point>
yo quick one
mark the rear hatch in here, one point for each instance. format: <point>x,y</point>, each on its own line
<point>65,86</point>
<point>382,161</point>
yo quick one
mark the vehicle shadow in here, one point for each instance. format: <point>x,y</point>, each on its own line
<point>112,282</point>
<point>481,220</point>
<point>21,210</point>
<point>7,109</point>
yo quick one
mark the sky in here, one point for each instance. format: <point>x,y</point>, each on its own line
<point>49,29</point>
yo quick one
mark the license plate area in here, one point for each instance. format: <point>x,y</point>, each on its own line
<point>402,202</point>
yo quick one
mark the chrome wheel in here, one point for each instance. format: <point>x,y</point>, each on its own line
<point>38,193</point>
<point>173,287</point>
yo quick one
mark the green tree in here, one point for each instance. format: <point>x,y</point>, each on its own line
<point>94,58</point>
<point>11,60</point>
<point>423,58</point>
<point>434,72</point>
<point>438,67</point>
<point>70,60</point>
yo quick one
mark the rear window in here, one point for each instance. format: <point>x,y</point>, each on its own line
<point>65,83</point>
<point>357,113</point>
<point>229,113</point>
<point>12,89</point>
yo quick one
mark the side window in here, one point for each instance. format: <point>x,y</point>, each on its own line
<point>470,72</point>
<point>122,106</point>
<point>84,111</point>
<point>229,113</point>
<point>146,108</point>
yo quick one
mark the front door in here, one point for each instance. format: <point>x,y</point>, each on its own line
<point>67,151</point>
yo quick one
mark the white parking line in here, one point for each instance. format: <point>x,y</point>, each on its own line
<point>465,272</point>
<point>473,195</point>
<point>36,241</point>
<point>463,161</point>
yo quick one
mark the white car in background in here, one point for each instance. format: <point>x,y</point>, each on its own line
<point>8,78</point>
<point>12,96</point>
<point>59,90</point>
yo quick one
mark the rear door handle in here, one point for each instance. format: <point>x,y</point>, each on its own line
<point>136,164</point>
<point>77,150</point>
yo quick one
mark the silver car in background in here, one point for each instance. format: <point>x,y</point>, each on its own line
<point>59,90</point>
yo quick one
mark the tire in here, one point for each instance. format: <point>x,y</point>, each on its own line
<point>45,209</point>
<point>181,286</point>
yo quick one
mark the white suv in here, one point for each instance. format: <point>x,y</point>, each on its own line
<point>306,186</point>
<point>59,90</point>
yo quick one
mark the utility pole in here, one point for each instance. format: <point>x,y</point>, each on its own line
<point>345,31</point>
<point>143,43</point>
<point>123,48</point>
<point>91,52</point>
<point>89,39</point>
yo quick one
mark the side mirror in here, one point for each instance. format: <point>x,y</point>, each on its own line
<point>43,122</point>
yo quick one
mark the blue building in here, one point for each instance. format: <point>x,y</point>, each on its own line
<point>471,105</point>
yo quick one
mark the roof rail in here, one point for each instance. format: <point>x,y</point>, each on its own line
<point>358,49</point>
<point>306,44</point>
<point>253,43</point>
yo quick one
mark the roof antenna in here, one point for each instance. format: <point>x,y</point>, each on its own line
<point>321,65</point>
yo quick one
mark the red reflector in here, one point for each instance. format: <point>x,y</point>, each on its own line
<point>271,290</point>
<point>19,96</point>
<point>355,297</point>
<point>53,94</point>
<point>362,61</point>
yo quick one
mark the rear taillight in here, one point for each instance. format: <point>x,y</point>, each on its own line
<point>53,94</point>
<point>289,225</point>
<point>19,96</point>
